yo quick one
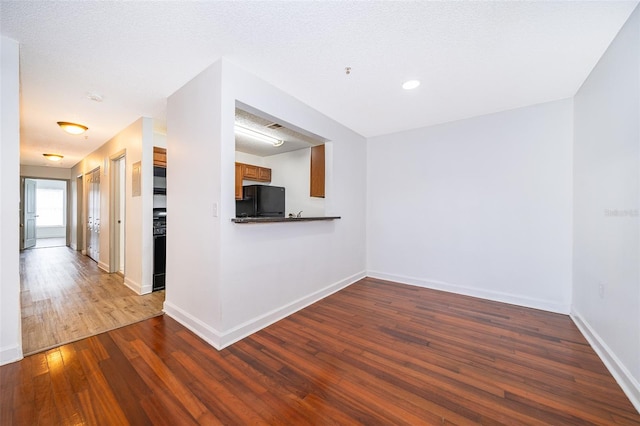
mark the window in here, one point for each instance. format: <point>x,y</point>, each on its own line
<point>49,207</point>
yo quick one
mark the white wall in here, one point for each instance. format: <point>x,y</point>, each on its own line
<point>159,140</point>
<point>193,187</point>
<point>293,171</point>
<point>606,174</point>
<point>479,206</point>
<point>136,141</point>
<point>42,172</point>
<point>10,332</point>
<point>236,279</point>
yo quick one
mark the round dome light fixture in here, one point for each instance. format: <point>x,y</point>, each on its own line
<point>53,157</point>
<point>72,128</point>
<point>411,84</point>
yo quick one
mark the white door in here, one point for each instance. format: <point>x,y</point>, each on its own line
<point>89,189</point>
<point>93,214</point>
<point>29,213</point>
<point>118,173</point>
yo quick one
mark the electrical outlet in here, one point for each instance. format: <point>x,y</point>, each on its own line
<point>215,209</point>
<point>601,290</point>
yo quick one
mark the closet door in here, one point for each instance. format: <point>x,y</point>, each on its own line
<point>93,214</point>
<point>89,200</point>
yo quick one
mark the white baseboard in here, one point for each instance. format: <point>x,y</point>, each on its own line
<point>10,354</point>
<point>103,266</point>
<point>221,340</point>
<point>133,285</point>
<point>630,386</point>
<point>73,246</point>
<point>544,305</point>
<point>249,327</point>
<point>207,333</point>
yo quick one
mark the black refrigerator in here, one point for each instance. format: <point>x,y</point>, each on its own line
<point>261,201</point>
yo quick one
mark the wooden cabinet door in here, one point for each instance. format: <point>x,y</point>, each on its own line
<point>264,174</point>
<point>238,181</point>
<point>159,157</point>
<point>317,171</point>
<point>250,172</point>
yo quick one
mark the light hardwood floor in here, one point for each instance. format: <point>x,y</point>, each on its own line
<point>66,297</point>
<point>375,353</point>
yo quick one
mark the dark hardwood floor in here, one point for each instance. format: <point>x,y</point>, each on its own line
<point>374,353</point>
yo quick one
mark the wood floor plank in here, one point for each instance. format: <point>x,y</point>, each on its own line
<point>374,353</point>
<point>66,297</point>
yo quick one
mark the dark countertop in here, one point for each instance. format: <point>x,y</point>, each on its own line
<point>281,219</point>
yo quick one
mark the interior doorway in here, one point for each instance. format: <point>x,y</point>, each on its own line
<point>44,216</point>
<point>117,212</point>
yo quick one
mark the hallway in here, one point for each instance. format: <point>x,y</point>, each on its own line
<point>66,297</point>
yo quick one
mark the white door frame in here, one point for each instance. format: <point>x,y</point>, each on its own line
<point>117,191</point>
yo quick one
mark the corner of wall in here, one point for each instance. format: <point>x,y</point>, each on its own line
<point>10,354</point>
<point>201,329</point>
<point>621,374</point>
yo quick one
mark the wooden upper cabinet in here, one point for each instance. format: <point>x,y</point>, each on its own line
<point>264,174</point>
<point>250,172</point>
<point>317,171</point>
<point>238,181</point>
<point>159,157</point>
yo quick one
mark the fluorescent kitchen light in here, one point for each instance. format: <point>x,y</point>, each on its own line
<point>258,136</point>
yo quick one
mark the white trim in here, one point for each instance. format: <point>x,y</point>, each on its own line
<point>146,289</point>
<point>208,334</point>
<point>221,340</point>
<point>10,354</point>
<point>630,386</point>
<point>135,286</point>
<point>529,302</point>
<point>249,327</point>
<point>103,266</point>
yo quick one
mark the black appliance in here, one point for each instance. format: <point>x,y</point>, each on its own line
<point>159,180</point>
<point>261,201</point>
<point>159,248</point>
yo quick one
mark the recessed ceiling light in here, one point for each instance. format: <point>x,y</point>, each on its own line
<point>72,128</point>
<point>411,84</point>
<point>53,157</point>
<point>94,96</point>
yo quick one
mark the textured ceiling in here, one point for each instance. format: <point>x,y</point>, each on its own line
<point>473,58</point>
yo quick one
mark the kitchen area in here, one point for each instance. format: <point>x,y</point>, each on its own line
<point>279,170</point>
<point>159,217</point>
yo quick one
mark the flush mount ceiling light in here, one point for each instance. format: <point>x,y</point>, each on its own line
<point>258,136</point>
<point>53,157</point>
<point>72,128</point>
<point>411,84</point>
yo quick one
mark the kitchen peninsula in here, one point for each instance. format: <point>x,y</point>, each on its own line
<point>281,219</point>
